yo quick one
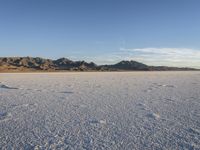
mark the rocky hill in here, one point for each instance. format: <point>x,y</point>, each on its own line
<point>127,65</point>
<point>20,64</point>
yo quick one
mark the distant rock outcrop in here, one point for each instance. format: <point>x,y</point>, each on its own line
<point>127,65</point>
<point>62,64</point>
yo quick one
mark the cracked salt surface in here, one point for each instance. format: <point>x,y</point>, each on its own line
<point>115,110</point>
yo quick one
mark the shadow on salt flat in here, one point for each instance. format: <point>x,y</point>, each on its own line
<point>148,90</point>
<point>153,116</point>
<point>80,106</point>
<point>193,131</point>
<point>45,90</point>
<point>155,86</point>
<point>7,87</point>
<point>163,85</point>
<point>169,99</point>
<point>4,116</point>
<point>94,121</point>
<point>142,106</point>
<point>67,92</point>
<point>29,106</point>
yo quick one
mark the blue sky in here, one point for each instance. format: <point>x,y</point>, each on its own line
<point>156,32</point>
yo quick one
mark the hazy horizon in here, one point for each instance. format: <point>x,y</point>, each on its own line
<point>105,32</point>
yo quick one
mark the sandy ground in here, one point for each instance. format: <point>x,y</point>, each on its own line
<point>108,110</point>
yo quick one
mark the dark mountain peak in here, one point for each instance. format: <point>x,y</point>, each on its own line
<point>131,62</point>
<point>63,61</point>
<point>92,64</point>
<point>130,65</point>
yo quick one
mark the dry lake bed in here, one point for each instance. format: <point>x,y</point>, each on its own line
<point>100,110</point>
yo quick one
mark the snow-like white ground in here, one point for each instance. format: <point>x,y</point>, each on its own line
<point>115,110</point>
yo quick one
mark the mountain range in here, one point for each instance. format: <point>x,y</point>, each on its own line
<point>23,64</point>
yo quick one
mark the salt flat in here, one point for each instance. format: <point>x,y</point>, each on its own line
<point>100,110</point>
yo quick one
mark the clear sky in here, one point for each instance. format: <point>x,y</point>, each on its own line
<point>156,32</point>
